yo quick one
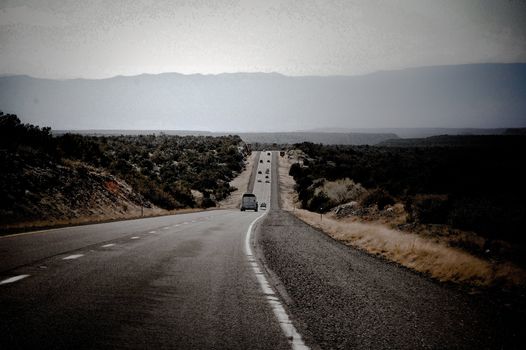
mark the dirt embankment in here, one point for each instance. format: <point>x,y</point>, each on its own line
<point>420,252</point>
<point>71,194</point>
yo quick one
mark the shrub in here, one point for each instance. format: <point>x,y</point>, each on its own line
<point>378,197</point>
<point>430,209</point>
<point>342,191</point>
<point>320,203</point>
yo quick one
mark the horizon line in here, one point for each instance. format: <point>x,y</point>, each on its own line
<point>10,75</point>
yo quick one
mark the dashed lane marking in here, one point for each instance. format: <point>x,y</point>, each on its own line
<point>152,231</point>
<point>74,256</point>
<point>135,237</point>
<point>13,279</point>
<point>108,245</point>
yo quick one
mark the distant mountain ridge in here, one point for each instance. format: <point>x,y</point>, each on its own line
<point>465,96</point>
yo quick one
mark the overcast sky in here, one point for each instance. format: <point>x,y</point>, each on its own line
<point>96,39</point>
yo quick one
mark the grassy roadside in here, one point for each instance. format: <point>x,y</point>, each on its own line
<point>422,254</point>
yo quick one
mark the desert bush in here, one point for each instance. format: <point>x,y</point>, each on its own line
<point>378,197</point>
<point>483,177</point>
<point>342,191</point>
<point>430,209</point>
<point>163,169</point>
<point>320,203</point>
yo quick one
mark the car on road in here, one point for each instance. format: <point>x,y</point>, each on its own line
<point>259,172</point>
<point>259,180</point>
<point>267,181</point>
<point>268,160</point>
<point>266,176</point>
<point>263,206</point>
<point>249,202</point>
<point>268,153</point>
<point>261,160</point>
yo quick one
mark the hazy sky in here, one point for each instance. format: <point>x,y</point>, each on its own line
<point>95,39</point>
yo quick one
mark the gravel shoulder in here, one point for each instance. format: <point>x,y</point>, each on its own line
<point>342,298</point>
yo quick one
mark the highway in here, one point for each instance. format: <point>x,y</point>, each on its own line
<point>225,279</point>
<point>173,282</point>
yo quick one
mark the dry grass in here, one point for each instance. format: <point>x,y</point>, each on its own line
<point>241,183</point>
<point>425,255</point>
<point>286,184</point>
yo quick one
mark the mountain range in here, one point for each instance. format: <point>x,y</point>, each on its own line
<point>454,97</point>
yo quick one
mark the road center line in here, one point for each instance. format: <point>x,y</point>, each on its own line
<point>74,256</point>
<point>279,311</point>
<point>13,279</point>
<point>135,237</point>
<point>151,232</point>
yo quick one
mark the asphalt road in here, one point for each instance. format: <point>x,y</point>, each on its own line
<point>187,282</point>
<point>173,282</point>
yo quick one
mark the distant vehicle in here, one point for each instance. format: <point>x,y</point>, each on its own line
<point>268,154</point>
<point>267,171</point>
<point>249,202</point>
<point>259,180</point>
<point>263,206</point>
<point>259,172</point>
<point>267,181</point>
<point>268,160</point>
<point>266,176</point>
<point>261,160</point>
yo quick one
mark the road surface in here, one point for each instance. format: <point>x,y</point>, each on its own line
<point>194,281</point>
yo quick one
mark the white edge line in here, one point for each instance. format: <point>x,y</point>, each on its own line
<point>74,256</point>
<point>13,279</point>
<point>285,323</point>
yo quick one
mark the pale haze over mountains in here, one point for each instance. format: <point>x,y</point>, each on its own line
<point>474,96</point>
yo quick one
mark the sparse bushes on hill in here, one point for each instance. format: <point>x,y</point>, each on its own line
<point>471,183</point>
<point>162,169</point>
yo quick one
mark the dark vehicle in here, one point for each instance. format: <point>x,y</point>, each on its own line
<point>259,180</point>
<point>268,160</point>
<point>268,154</point>
<point>263,206</point>
<point>267,171</point>
<point>261,160</point>
<point>249,202</point>
<point>266,176</point>
<point>259,172</point>
<point>267,181</point>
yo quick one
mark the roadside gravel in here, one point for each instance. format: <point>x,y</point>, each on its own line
<point>342,298</point>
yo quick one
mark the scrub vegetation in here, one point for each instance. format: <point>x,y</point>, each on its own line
<point>452,207</point>
<point>40,170</point>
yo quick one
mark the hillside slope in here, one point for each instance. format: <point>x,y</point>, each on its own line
<point>48,180</point>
